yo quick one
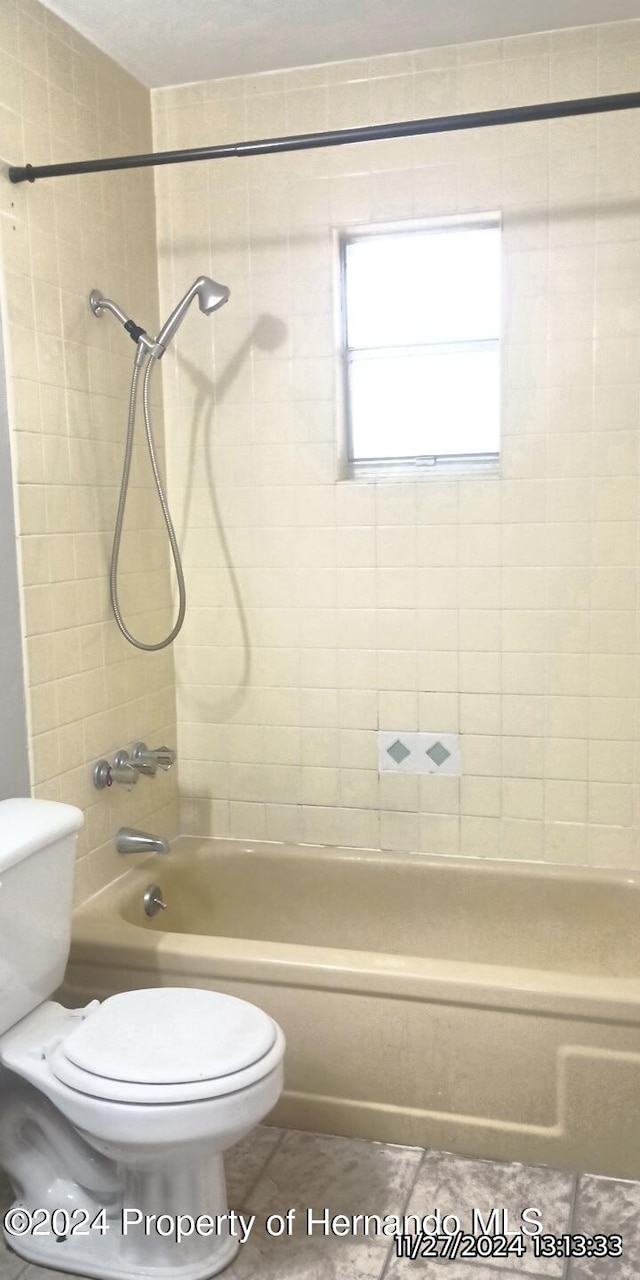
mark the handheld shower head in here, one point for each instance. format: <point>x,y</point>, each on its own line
<point>210,295</point>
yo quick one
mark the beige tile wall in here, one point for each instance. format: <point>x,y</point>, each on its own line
<point>504,609</point>
<point>89,692</point>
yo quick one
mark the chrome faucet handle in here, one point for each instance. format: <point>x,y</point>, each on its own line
<point>150,759</point>
<point>122,770</point>
<point>144,760</point>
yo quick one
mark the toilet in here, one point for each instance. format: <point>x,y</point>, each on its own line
<point>113,1118</point>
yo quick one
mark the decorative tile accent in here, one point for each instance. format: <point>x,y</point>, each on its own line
<point>438,754</point>
<point>400,752</point>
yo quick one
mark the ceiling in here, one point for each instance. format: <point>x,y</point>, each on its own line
<point>166,42</point>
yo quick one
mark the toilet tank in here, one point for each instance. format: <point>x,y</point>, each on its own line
<point>37,856</point>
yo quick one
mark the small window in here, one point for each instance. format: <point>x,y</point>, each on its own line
<point>421,315</point>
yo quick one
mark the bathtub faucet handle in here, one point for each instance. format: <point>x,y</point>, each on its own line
<point>122,770</point>
<point>149,759</point>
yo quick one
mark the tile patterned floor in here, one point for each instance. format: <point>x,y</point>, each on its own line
<point>274,1170</point>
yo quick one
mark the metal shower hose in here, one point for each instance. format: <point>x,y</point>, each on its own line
<point>124,487</point>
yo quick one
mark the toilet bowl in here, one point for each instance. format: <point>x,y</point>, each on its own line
<point>113,1118</point>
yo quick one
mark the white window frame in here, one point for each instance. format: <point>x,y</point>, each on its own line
<point>442,465</point>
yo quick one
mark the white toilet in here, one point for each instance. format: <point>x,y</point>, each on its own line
<point>124,1106</point>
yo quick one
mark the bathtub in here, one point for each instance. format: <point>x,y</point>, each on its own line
<point>479,1007</point>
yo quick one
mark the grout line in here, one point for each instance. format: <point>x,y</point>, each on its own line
<point>405,1204</point>
<point>572,1219</point>
<point>276,1147</point>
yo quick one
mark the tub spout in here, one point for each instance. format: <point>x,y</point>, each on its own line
<point>130,841</point>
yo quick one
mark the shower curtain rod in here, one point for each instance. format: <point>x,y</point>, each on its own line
<point>336,137</point>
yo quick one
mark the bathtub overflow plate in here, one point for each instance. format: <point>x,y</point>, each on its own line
<point>152,900</point>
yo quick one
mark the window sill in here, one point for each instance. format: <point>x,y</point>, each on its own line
<point>479,466</point>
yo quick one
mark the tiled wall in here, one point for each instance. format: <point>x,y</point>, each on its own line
<point>14,762</point>
<point>68,375</point>
<point>504,609</point>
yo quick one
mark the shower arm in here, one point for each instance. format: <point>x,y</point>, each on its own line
<point>145,344</point>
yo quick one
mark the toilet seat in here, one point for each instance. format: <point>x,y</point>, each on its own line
<point>166,1045</point>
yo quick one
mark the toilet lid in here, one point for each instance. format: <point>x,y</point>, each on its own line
<point>169,1036</point>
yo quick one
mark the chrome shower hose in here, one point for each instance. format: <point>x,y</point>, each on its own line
<point>124,487</point>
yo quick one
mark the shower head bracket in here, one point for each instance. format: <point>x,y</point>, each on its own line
<point>135,331</point>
